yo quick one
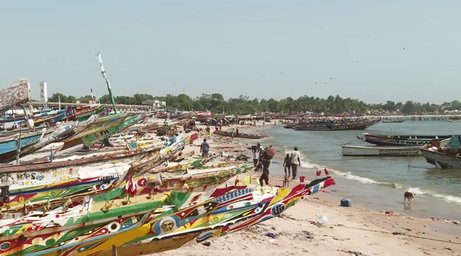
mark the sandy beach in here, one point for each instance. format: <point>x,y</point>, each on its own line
<point>318,225</point>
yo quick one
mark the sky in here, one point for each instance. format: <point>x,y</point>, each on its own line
<point>368,50</point>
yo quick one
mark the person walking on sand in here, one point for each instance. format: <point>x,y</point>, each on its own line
<point>295,162</point>
<point>287,165</point>
<point>256,151</point>
<point>260,151</point>
<point>266,161</point>
<point>204,148</point>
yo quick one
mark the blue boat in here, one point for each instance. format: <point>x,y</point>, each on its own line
<point>8,146</point>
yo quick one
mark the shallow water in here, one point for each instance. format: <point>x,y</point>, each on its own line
<point>379,182</point>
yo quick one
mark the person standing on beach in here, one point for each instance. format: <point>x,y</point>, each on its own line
<point>260,152</point>
<point>287,164</point>
<point>204,148</point>
<point>255,150</point>
<point>295,161</point>
<point>266,160</point>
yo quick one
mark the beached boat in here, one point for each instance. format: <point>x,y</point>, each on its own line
<point>444,154</point>
<point>401,140</point>
<point>101,124</point>
<point>9,145</point>
<point>336,125</point>
<point>61,132</point>
<point>83,113</point>
<point>363,150</point>
<point>39,183</point>
<point>240,135</point>
<point>75,218</point>
<point>227,212</point>
<point>92,138</point>
<point>152,226</point>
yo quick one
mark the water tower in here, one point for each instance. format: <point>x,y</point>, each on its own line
<point>43,92</point>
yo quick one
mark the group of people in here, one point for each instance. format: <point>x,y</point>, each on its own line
<point>262,159</point>
<point>291,162</point>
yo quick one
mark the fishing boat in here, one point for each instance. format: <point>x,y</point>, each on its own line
<point>101,124</point>
<point>74,218</point>
<point>94,137</point>
<point>444,154</point>
<point>401,140</point>
<point>240,135</point>
<point>63,131</point>
<point>389,121</point>
<point>229,211</point>
<point>336,125</point>
<point>39,183</point>
<point>83,113</point>
<point>153,225</point>
<point>12,145</point>
<point>363,150</point>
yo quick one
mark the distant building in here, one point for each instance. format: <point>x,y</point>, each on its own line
<point>156,104</point>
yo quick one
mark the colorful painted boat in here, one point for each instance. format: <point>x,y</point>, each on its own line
<point>70,226</point>
<point>8,147</point>
<point>41,183</point>
<point>61,132</point>
<point>83,113</point>
<point>100,125</point>
<point>92,138</point>
<point>235,209</point>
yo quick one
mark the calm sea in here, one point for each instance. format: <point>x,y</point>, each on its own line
<point>379,182</point>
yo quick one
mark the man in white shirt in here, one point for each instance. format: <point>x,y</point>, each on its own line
<point>295,161</point>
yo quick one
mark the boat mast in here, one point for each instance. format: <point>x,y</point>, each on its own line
<point>109,88</point>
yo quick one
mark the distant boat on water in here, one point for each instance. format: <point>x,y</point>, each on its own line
<point>336,125</point>
<point>393,120</point>
<point>363,150</point>
<point>401,140</point>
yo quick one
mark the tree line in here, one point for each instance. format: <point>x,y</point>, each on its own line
<point>215,102</point>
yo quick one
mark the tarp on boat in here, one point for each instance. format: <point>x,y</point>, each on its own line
<point>17,94</point>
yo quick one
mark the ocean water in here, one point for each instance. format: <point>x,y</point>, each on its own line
<point>378,182</point>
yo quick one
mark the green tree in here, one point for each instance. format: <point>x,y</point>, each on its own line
<point>408,108</point>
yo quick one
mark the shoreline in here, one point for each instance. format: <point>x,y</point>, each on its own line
<point>382,195</point>
<point>319,225</point>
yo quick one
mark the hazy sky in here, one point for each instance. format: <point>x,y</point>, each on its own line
<point>369,50</point>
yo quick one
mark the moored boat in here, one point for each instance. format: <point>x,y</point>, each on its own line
<point>445,154</point>
<point>393,121</point>
<point>363,150</point>
<point>401,140</point>
<point>336,125</point>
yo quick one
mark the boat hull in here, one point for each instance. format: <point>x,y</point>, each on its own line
<point>441,160</point>
<point>357,150</point>
<point>402,140</point>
